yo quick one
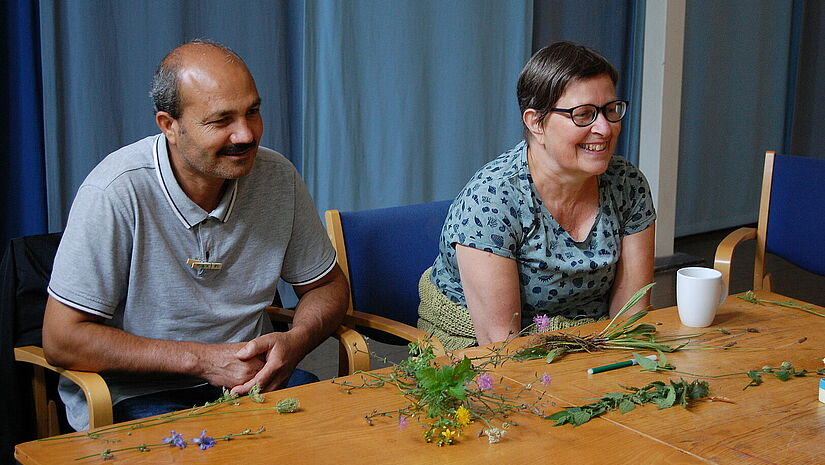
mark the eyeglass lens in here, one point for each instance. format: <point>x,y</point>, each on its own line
<point>587,114</point>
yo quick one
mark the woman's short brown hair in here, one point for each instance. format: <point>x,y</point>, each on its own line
<point>547,74</point>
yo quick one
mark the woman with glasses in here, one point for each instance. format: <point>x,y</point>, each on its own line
<point>557,226</point>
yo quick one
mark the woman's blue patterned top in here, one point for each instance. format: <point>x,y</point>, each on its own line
<point>499,211</point>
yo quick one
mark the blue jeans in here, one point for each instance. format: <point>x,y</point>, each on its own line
<point>180,399</point>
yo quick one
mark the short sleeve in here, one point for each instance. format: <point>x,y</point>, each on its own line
<point>309,255</point>
<point>485,217</point>
<point>91,267</point>
<point>636,208</point>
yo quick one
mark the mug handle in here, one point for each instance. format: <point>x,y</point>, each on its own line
<point>724,294</point>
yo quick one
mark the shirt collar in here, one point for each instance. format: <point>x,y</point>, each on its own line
<point>187,211</point>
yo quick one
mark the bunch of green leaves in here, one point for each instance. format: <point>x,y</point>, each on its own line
<point>662,394</point>
<point>751,297</point>
<point>619,334</point>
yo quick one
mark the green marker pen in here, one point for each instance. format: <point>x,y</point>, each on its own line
<point>613,366</point>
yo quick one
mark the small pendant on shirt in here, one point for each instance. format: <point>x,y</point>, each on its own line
<point>202,265</point>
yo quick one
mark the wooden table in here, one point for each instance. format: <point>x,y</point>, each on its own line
<point>777,422</point>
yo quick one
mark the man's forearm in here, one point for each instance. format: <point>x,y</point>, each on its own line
<point>92,346</point>
<point>321,310</point>
<point>75,340</point>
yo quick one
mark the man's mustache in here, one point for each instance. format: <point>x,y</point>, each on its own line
<point>236,149</point>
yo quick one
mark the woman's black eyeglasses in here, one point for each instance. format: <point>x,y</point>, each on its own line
<point>585,115</point>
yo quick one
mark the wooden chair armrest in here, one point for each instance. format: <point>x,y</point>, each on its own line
<point>724,251</point>
<point>94,387</point>
<point>395,328</point>
<point>353,353</point>
<point>284,315</point>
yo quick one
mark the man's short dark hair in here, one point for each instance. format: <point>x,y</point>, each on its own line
<point>165,92</point>
<point>545,77</point>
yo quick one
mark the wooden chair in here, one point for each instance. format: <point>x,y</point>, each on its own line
<point>791,219</point>
<point>27,267</point>
<point>383,253</point>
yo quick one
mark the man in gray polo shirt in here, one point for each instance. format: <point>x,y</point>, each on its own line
<point>176,243</point>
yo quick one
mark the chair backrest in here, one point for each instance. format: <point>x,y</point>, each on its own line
<point>385,252</point>
<point>796,216</point>
<point>791,213</point>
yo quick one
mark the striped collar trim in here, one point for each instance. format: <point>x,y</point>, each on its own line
<point>187,211</point>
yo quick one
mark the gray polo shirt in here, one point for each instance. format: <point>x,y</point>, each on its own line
<point>132,230</point>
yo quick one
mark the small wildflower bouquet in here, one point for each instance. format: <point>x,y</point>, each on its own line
<point>445,398</point>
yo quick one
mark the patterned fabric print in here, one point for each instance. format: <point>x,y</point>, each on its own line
<point>499,211</point>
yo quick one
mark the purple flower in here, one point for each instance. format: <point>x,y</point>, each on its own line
<point>542,323</point>
<point>402,422</point>
<point>176,439</point>
<point>485,382</point>
<point>545,379</point>
<point>204,441</point>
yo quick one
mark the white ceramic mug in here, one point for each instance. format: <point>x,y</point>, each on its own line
<point>699,292</point>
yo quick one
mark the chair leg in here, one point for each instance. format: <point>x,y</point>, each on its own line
<point>53,422</point>
<point>767,282</point>
<point>41,409</point>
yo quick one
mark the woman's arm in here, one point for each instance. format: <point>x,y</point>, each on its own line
<point>491,287</point>
<point>634,270</point>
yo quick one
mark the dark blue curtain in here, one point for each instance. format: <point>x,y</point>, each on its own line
<point>22,166</point>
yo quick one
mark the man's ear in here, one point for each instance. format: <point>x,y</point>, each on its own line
<point>168,126</point>
<point>532,122</point>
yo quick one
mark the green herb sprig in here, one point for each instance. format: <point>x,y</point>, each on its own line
<point>109,454</point>
<point>662,394</point>
<point>784,372</point>
<point>751,297</point>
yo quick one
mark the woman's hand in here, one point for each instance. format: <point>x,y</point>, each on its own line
<point>491,287</point>
<point>634,270</point>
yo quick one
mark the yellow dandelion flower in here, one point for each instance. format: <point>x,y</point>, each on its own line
<point>462,416</point>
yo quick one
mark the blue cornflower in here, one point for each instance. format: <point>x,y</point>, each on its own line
<point>176,439</point>
<point>204,441</point>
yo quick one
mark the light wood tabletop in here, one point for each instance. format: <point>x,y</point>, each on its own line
<point>777,422</point>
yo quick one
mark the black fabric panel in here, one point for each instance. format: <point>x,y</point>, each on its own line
<point>24,277</point>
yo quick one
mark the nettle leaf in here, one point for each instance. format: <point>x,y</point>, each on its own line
<point>427,378</point>
<point>580,417</point>
<point>457,392</point>
<point>784,375</point>
<point>561,418</point>
<point>626,406</point>
<point>698,390</point>
<point>756,378</point>
<point>668,400</point>
<point>445,374</point>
